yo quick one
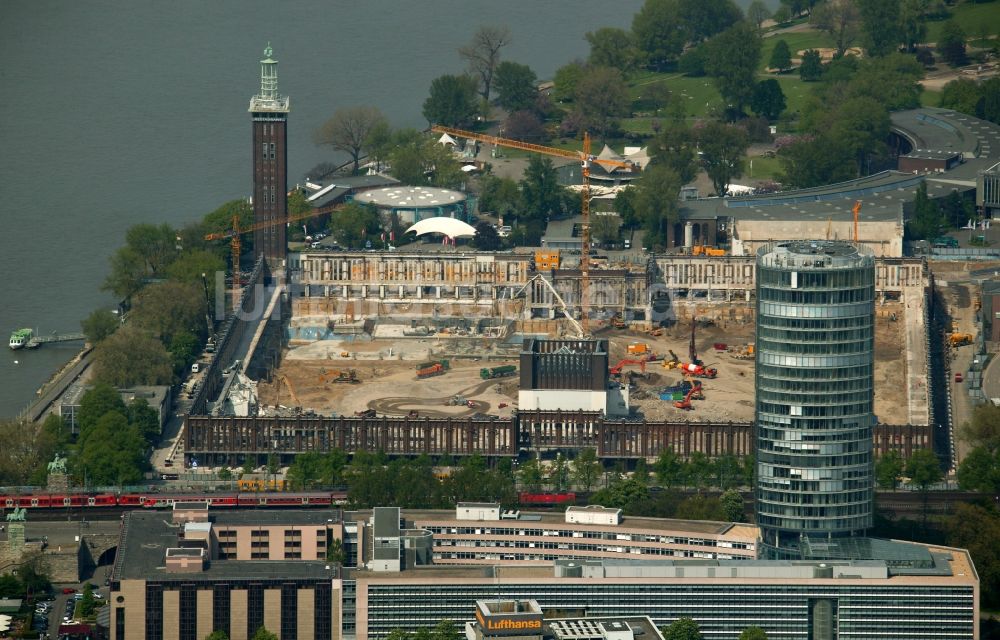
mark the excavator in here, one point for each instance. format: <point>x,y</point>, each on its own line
<point>349,376</point>
<point>673,362</point>
<point>617,369</point>
<point>283,379</point>
<point>694,394</point>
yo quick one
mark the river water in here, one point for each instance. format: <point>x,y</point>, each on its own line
<point>118,112</point>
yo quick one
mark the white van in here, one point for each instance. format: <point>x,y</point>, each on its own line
<point>195,368</point>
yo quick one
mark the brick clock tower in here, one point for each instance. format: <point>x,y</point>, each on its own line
<point>269,111</point>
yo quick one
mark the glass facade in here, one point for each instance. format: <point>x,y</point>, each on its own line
<point>786,611</point>
<point>815,392</point>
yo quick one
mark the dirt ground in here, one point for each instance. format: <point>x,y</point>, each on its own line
<point>387,371</point>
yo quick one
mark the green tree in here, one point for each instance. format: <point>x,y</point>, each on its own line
<point>602,98</point>
<point>732,504</point>
<point>676,147</point>
<point>445,630</point>
<point>753,633</point>
<point>27,448</point>
<point>757,13</point>
<point>924,469</point>
<point>482,54</point>
<point>729,472</point>
<point>113,453</point>
<point>888,469</point>
<point>198,267</point>
<point>516,86</point>
<point>98,400</point>
<point>225,474</point>
<point>625,494</point>
<point>10,586</point>
<point>656,203</point>
<point>605,227</point>
<point>781,57</point>
<point>559,477</point>
<point>698,470</point>
<point>768,100</point>
<point>132,357</point>
<point>34,573</point>
<point>541,192</point>
<point>841,19</point>
<point>587,469</point>
<point>913,22</point>
<point>502,196</point>
<point>263,634</point>
<point>702,19</point>
<point>951,43</point>
<point>962,94</point>
<point>723,153</point>
<point>418,159</point>
<point>682,629</point>
<point>100,324</point>
<point>217,635</point>
<point>983,428</point>
<point>145,419</point>
<point>927,221</point>
<point>168,308</point>
<point>355,224</point>
<point>348,129</point>
<point>811,68</point>
<point>669,468</point>
<point>87,603</point>
<point>977,528</point>
<point>881,24</point>
<point>611,47</point>
<point>980,471</point>
<point>530,475</point>
<point>814,161</point>
<point>566,79</point>
<point>641,471</point>
<point>335,551</point>
<point>656,31</point>
<point>732,60</point>
<point>452,101</point>
<point>487,238</point>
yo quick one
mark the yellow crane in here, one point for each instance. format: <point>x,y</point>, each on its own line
<point>856,209</point>
<point>233,235</point>
<point>585,158</point>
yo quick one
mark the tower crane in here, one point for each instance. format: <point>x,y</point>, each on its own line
<point>233,235</point>
<point>585,158</point>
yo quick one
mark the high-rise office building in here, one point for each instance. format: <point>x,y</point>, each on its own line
<point>269,110</point>
<point>814,380</point>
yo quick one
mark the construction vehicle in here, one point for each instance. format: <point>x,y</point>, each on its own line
<point>960,339</point>
<point>617,369</point>
<point>367,413</point>
<point>673,362</point>
<point>700,250</point>
<point>637,348</point>
<point>349,376</point>
<point>430,369</point>
<point>585,158</point>
<point>498,372</point>
<point>283,379</point>
<point>617,322</point>
<point>656,333</point>
<point>697,370</point>
<point>694,394</point>
<point>746,352</point>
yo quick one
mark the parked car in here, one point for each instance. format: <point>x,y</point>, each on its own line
<point>69,590</point>
<point>958,376</point>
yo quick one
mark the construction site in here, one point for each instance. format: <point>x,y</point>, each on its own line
<point>367,328</point>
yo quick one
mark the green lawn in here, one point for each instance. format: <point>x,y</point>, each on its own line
<point>930,98</point>
<point>973,18</point>
<point>762,169</point>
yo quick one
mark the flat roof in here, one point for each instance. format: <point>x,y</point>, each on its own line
<point>146,536</point>
<point>738,530</point>
<point>405,197</point>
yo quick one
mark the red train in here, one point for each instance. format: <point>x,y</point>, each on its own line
<point>153,500</point>
<point>566,498</point>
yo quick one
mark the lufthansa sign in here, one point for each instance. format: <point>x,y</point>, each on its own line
<point>508,625</point>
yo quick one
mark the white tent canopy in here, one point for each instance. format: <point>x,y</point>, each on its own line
<point>450,227</point>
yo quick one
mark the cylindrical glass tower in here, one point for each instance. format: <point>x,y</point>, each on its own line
<point>815,392</point>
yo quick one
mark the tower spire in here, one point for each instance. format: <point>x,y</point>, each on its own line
<point>268,76</point>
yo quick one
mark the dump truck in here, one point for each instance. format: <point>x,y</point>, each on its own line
<point>429,369</point>
<point>497,372</point>
<point>960,339</point>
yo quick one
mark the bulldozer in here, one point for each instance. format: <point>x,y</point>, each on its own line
<point>960,339</point>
